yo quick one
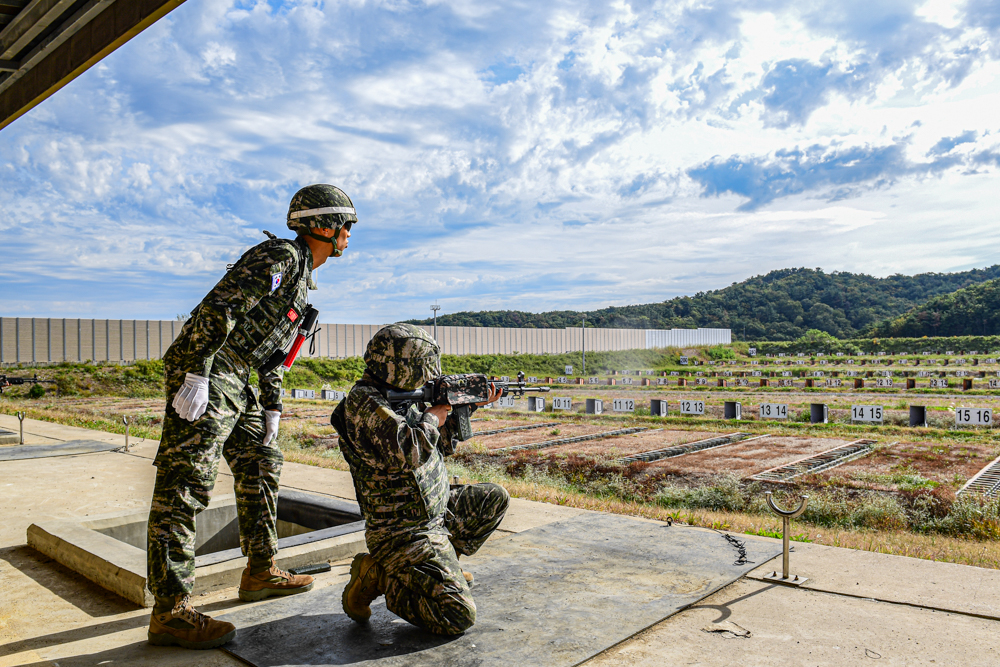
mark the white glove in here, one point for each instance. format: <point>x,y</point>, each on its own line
<point>192,398</point>
<point>271,418</point>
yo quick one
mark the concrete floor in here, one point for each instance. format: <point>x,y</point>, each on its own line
<point>857,606</point>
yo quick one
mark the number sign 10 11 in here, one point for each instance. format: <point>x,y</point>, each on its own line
<point>562,403</point>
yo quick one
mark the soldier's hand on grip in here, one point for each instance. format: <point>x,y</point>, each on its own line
<point>191,399</point>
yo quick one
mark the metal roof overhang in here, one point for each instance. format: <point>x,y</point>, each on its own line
<point>45,44</point>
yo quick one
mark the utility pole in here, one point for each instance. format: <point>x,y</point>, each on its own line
<point>435,308</point>
<point>583,336</point>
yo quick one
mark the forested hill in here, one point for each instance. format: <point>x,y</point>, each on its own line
<point>972,311</point>
<point>781,305</point>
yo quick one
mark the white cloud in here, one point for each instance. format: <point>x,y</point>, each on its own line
<point>501,154</point>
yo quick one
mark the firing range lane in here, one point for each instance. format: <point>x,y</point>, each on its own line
<point>746,458</point>
<point>626,445</point>
<point>899,466</point>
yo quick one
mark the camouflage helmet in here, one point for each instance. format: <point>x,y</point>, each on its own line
<point>403,356</point>
<point>321,207</point>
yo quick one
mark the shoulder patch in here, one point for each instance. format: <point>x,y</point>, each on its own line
<point>275,281</point>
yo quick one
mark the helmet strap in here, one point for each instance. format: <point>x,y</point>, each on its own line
<point>320,237</point>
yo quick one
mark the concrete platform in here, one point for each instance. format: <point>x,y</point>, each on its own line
<point>857,607</point>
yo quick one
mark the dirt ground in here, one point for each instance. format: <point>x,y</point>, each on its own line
<point>568,430</point>
<point>950,465</point>
<point>626,445</point>
<point>746,459</point>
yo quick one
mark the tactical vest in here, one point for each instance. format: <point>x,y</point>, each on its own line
<point>272,323</point>
<point>395,500</point>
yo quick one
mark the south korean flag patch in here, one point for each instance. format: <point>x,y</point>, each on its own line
<point>275,281</point>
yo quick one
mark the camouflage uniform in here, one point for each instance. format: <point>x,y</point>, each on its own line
<point>249,314</point>
<point>417,525</point>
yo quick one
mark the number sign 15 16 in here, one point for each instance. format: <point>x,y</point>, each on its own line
<point>973,417</point>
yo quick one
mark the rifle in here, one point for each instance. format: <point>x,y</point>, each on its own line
<point>7,381</point>
<point>462,393</point>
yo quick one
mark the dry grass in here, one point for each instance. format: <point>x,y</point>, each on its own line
<point>898,543</point>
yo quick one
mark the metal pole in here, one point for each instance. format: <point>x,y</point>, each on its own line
<point>20,417</point>
<point>786,516</point>
<point>435,308</point>
<point>583,334</point>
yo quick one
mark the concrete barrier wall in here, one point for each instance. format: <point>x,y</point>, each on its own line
<point>47,340</point>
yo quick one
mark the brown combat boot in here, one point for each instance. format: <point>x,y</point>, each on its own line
<point>367,583</point>
<point>272,582</point>
<point>187,627</point>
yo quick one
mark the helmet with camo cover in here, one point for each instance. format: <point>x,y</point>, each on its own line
<point>321,207</point>
<point>403,356</point>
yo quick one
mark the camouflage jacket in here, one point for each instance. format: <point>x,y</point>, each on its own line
<point>397,463</point>
<point>248,315</point>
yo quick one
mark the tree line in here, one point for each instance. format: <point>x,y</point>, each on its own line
<point>781,305</point>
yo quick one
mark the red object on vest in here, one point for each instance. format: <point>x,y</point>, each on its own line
<point>292,315</point>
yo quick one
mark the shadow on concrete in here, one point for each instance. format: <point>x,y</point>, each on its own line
<point>141,653</point>
<point>63,582</point>
<point>724,611</point>
<point>139,620</point>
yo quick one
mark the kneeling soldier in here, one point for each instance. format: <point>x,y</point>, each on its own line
<point>417,525</point>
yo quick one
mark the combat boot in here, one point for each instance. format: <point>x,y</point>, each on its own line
<point>367,583</point>
<point>272,582</point>
<point>187,627</point>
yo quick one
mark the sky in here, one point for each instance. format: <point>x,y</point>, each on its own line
<point>510,155</point>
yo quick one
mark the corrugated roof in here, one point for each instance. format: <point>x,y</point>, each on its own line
<point>45,44</point>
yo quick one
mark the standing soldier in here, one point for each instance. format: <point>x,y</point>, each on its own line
<point>416,525</point>
<point>212,410</point>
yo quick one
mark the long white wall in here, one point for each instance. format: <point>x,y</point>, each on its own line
<point>45,340</point>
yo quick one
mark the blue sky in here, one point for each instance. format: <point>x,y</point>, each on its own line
<point>515,155</point>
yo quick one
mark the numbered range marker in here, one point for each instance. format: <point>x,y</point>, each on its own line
<point>867,413</point>
<point>773,411</point>
<point>883,382</point>
<point>505,402</point>
<point>939,383</point>
<point>683,361</point>
<point>303,393</point>
<point>568,370</point>
<point>994,384</point>
<point>692,407</point>
<point>562,403</point>
<point>561,380</point>
<point>833,382</point>
<point>973,417</point>
<point>333,395</point>
<point>623,405</point>
<point>593,380</point>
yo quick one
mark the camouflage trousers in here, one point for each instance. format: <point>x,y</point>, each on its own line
<point>187,464</point>
<point>433,594</point>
